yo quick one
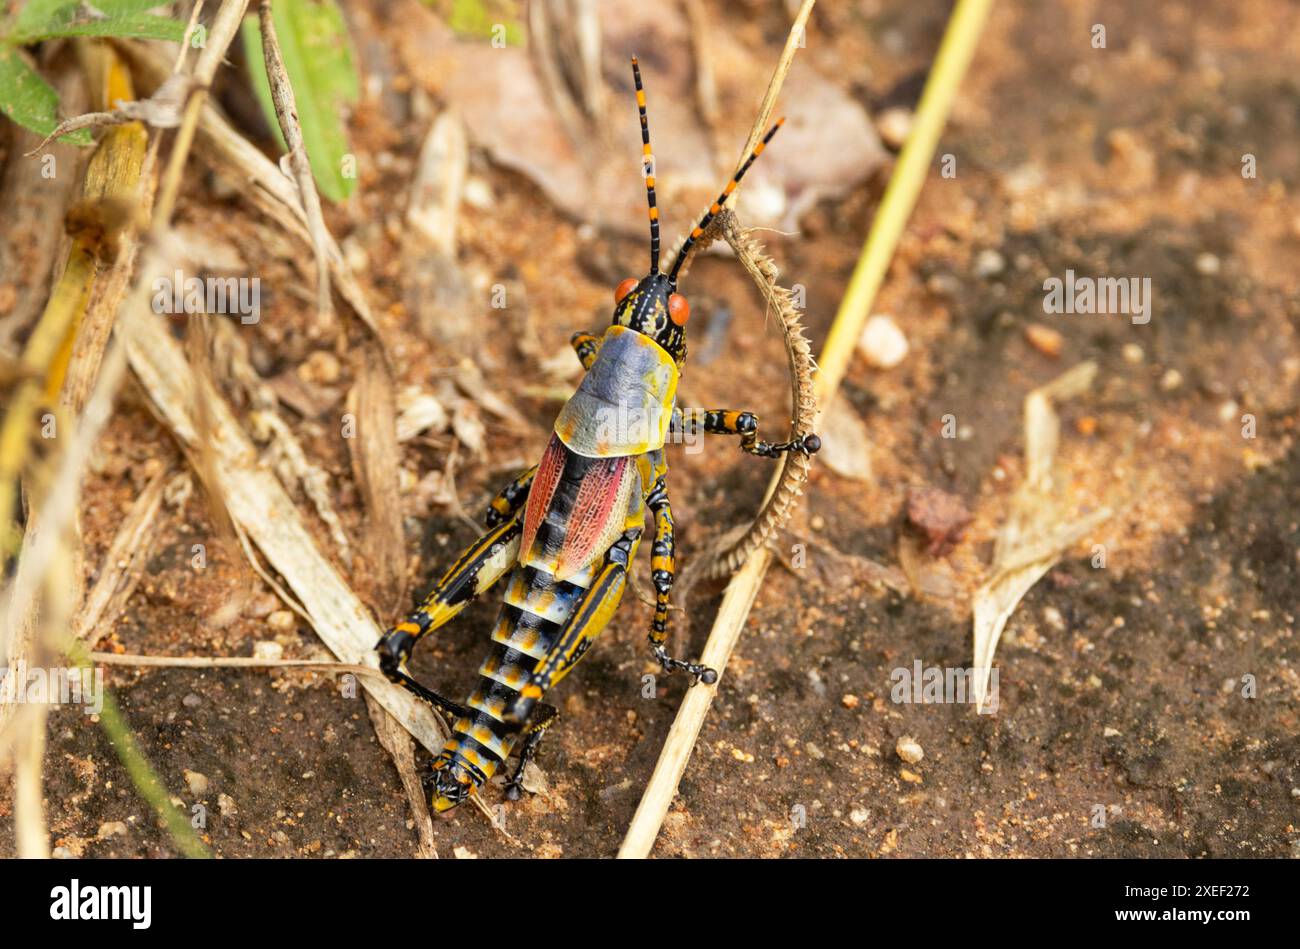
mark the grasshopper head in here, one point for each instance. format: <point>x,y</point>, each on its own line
<point>653,306</point>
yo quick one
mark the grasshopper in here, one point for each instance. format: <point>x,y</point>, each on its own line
<point>566,532</point>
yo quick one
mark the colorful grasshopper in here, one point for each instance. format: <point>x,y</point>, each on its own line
<point>567,531</point>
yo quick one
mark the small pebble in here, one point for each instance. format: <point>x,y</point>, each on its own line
<point>817,683</point>
<point>321,367</point>
<point>944,285</point>
<point>1109,732</point>
<point>268,650</point>
<point>1133,353</point>
<point>198,783</point>
<point>989,263</point>
<point>909,749</point>
<point>849,701</point>
<point>262,606</point>
<point>882,343</point>
<point>1228,411</point>
<point>478,194</point>
<point>281,619</point>
<point>1044,339</point>
<point>191,700</point>
<point>894,125</point>
<point>226,805</point>
<point>814,751</point>
<point>1207,264</point>
<point>112,828</point>
<point>1171,380</point>
<point>859,816</point>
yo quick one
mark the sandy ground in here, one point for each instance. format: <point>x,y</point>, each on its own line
<point>1122,728</point>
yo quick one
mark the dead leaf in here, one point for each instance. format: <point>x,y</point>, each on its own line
<point>1036,533</point>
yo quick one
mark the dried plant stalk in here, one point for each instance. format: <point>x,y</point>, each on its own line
<point>732,550</point>
<point>286,110</point>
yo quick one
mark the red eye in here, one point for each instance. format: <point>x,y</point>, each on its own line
<point>679,311</point>
<point>624,288</point>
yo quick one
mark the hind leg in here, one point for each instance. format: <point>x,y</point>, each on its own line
<point>510,498</point>
<point>547,715</point>
<point>481,565</point>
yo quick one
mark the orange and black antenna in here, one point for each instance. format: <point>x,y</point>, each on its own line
<point>716,207</point>
<point>647,160</point>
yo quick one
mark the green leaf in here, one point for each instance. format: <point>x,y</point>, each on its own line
<point>71,20</point>
<point>37,13</point>
<point>318,60</point>
<point>482,18</point>
<point>28,100</point>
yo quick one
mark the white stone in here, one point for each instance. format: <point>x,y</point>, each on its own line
<point>882,343</point>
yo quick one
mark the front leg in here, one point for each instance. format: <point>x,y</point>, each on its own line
<point>662,563</point>
<point>744,424</point>
<point>586,346</point>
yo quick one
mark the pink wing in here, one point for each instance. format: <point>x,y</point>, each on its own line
<point>539,498</point>
<point>589,521</point>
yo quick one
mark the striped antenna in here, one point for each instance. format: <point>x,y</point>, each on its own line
<point>716,208</point>
<point>647,161</point>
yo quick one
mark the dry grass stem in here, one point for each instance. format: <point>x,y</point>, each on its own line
<point>232,662</point>
<point>123,565</point>
<point>286,110</point>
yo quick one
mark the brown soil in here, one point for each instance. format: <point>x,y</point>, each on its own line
<point>1120,688</point>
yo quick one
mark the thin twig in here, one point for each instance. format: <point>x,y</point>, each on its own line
<point>231,662</point>
<point>222,34</point>
<point>121,567</point>
<point>955,52</point>
<point>401,748</point>
<point>286,111</point>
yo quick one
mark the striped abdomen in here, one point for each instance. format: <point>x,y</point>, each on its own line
<point>531,618</point>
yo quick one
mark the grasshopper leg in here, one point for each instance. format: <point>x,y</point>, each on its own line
<point>586,346</point>
<point>662,566</point>
<point>510,498</point>
<point>547,715</point>
<point>481,565</point>
<point>744,424</point>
